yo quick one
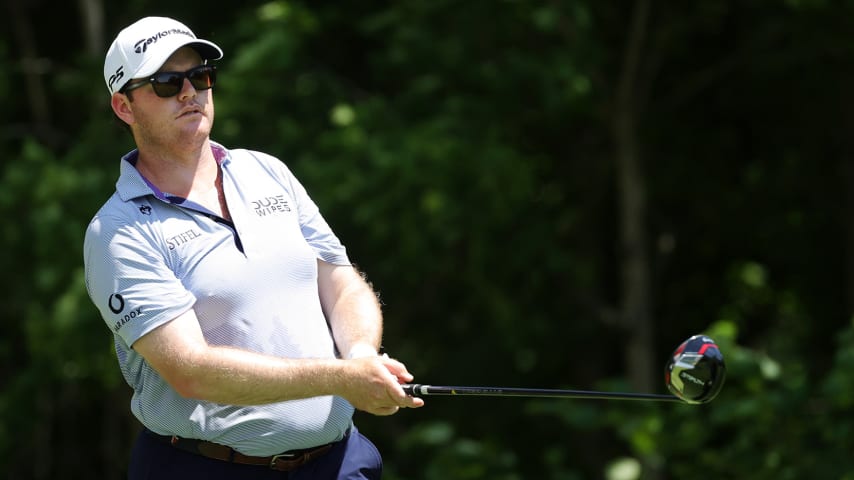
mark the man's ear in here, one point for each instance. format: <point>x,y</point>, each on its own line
<point>122,108</point>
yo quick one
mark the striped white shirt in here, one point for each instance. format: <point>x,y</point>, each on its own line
<point>150,257</point>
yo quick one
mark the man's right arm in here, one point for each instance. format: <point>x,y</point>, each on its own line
<point>177,350</point>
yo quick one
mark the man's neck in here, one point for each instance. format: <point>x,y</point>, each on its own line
<point>179,172</point>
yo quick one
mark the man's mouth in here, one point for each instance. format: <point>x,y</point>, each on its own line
<point>190,111</point>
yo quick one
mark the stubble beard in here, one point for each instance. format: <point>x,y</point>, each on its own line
<point>168,137</point>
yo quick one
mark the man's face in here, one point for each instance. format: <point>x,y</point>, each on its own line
<point>183,119</point>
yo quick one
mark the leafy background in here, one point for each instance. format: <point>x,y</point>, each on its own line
<point>549,194</point>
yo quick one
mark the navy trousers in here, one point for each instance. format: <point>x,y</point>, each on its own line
<point>353,458</point>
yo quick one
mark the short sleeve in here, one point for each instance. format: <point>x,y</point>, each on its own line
<point>128,279</point>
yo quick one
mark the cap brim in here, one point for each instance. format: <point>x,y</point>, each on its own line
<point>207,50</point>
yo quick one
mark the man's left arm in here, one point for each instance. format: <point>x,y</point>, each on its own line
<point>351,308</point>
<point>355,317</point>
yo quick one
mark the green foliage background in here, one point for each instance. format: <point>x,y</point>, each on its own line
<point>464,152</point>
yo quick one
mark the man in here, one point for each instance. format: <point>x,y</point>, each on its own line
<point>247,336</point>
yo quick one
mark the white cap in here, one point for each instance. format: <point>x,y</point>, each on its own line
<point>143,47</point>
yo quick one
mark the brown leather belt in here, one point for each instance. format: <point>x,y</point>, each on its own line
<point>283,462</point>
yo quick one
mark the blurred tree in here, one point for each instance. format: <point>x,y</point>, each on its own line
<point>470,156</point>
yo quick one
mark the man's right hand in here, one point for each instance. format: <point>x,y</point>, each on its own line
<point>375,386</point>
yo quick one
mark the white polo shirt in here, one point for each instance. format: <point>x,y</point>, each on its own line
<point>150,257</point>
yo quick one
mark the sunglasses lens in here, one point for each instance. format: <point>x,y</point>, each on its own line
<point>202,78</point>
<point>167,84</point>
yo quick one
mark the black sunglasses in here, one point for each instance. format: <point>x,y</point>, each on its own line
<point>168,84</point>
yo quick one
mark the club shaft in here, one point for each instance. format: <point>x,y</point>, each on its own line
<point>417,390</point>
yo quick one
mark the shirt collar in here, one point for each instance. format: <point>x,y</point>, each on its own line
<point>132,184</point>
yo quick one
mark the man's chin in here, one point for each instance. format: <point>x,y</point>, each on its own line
<point>196,130</point>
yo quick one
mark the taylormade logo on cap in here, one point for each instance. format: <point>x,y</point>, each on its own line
<point>142,45</point>
<point>141,49</point>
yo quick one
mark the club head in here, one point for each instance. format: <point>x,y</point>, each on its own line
<point>696,371</point>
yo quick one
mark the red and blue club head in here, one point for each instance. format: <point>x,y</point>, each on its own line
<point>696,371</point>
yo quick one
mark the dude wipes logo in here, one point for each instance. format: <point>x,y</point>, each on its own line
<point>117,304</point>
<point>270,205</point>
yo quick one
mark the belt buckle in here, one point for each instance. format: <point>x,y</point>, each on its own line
<point>282,456</point>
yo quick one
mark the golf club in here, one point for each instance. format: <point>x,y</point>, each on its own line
<point>694,374</point>
<point>417,390</point>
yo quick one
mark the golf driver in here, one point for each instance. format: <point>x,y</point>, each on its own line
<point>694,374</point>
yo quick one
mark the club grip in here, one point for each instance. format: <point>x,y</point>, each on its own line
<point>414,389</point>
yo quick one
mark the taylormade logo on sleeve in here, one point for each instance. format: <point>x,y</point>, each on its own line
<point>142,45</point>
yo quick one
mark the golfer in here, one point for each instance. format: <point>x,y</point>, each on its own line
<point>245,332</point>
